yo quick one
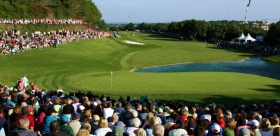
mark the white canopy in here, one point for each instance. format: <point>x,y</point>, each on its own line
<point>248,38</point>
<point>242,36</point>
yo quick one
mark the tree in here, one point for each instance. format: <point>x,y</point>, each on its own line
<point>130,27</point>
<point>273,36</point>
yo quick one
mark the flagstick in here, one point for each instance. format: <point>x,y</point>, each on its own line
<point>111,81</point>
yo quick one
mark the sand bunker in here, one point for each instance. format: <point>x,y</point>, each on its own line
<point>131,42</point>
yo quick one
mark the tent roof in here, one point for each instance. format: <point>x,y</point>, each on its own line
<point>242,36</point>
<point>248,37</point>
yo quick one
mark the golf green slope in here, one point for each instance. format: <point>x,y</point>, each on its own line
<point>86,66</point>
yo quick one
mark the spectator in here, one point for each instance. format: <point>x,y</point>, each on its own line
<point>57,106</point>
<point>134,114</point>
<point>83,132</point>
<point>103,128</point>
<point>214,128</point>
<point>199,131</point>
<point>25,113</point>
<point>241,123</point>
<point>48,119</point>
<point>75,124</point>
<point>254,127</point>
<point>229,128</point>
<point>23,128</point>
<point>140,132</point>
<point>87,126</point>
<point>162,118</point>
<point>108,111</point>
<point>94,124</point>
<point>265,127</point>
<point>64,127</point>
<point>2,122</point>
<point>276,131</point>
<point>135,125</point>
<point>152,121</point>
<point>55,130</point>
<point>205,124</point>
<point>244,132</point>
<point>158,130</point>
<point>118,131</point>
<point>68,108</point>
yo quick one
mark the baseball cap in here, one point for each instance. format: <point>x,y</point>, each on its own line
<point>118,131</point>
<point>244,132</point>
<point>76,115</point>
<point>64,118</point>
<point>216,128</point>
<point>82,107</point>
<point>254,122</point>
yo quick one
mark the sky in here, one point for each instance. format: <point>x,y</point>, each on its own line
<point>154,11</point>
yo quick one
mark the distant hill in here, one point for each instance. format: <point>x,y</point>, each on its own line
<point>59,9</point>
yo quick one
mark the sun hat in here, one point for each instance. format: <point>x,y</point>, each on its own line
<point>117,131</point>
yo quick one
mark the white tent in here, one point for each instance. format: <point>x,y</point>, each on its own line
<point>248,38</point>
<point>242,36</point>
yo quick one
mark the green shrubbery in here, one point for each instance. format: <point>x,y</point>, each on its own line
<point>62,9</point>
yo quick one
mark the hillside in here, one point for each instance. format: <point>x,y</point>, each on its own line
<point>58,9</point>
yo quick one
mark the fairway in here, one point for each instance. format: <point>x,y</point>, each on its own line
<point>87,65</point>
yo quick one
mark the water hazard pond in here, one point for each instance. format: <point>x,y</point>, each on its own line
<point>251,66</point>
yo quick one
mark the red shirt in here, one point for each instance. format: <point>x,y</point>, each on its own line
<point>30,118</point>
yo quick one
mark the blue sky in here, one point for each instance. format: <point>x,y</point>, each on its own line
<point>178,10</point>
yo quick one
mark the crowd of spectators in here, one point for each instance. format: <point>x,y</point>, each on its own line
<point>255,47</point>
<point>14,41</point>
<point>28,110</point>
<point>42,21</point>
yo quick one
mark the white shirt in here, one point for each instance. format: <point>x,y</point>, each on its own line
<point>130,131</point>
<point>102,131</point>
<point>75,125</point>
<point>108,112</point>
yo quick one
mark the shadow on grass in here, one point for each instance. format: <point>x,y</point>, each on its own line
<point>223,100</point>
<point>274,89</point>
<point>227,99</point>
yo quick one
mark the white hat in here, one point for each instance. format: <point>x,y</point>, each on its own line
<point>206,109</point>
<point>254,122</point>
<point>160,110</point>
<point>216,128</point>
<point>165,114</point>
<point>254,105</point>
<point>82,107</point>
<point>94,103</point>
<point>242,106</point>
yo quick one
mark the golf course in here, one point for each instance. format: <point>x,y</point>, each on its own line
<point>86,65</point>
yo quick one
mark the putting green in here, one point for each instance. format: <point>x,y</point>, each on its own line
<point>86,66</point>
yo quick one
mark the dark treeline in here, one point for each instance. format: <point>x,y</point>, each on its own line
<point>202,30</point>
<point>59,9</point>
